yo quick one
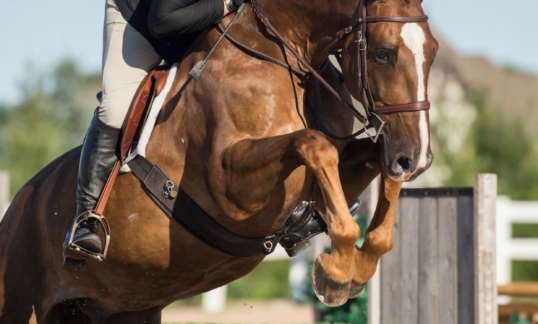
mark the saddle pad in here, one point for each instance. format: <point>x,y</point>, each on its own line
<point>150,120</point>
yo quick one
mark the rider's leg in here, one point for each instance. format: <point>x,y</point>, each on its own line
<point>97,157</point>
<point>127,58</point>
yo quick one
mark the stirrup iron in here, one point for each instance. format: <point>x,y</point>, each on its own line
<point>75,251</point>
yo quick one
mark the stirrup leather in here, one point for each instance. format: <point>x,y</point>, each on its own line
<point>74,250</point>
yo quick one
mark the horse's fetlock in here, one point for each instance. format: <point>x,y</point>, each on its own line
<point>380,243</point>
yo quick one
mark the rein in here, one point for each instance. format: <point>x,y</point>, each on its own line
<point>359,27</point>
<point>313,72</point>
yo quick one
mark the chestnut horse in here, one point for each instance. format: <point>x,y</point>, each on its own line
<point>239,144</point>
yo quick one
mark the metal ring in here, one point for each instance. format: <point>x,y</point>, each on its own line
<point>169,185</point>
<point>268,245</point>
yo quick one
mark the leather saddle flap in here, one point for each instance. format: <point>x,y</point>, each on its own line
<point>149,88</point>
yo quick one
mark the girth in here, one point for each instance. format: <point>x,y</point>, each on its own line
<point>179,206</point>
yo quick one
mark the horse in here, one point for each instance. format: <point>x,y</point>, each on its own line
<point>239,141</point>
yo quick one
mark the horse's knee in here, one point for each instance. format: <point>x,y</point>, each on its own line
<point>313,147</point>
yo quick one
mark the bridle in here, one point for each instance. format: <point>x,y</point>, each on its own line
<point>358,27</point>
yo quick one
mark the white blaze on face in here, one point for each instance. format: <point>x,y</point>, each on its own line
<point>414,38</point>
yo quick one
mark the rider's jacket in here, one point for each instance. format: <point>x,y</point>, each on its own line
<point>171,25</point>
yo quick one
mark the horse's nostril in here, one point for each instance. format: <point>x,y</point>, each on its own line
<point>402,165</point>
<point>405,163</point>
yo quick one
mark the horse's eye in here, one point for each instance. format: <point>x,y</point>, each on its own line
<point>382,56</point>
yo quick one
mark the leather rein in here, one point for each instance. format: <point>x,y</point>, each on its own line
<point>358,27</point>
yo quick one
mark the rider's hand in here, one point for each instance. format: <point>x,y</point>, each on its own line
<point>232,5</point>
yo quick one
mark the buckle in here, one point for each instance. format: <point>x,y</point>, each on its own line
<point>378,130</point>
<point>73,249</point>
<point>268,245</point>
<point>362,41</point>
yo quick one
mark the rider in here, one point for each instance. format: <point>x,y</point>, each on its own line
<point>138,35</point>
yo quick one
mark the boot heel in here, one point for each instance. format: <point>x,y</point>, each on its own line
<point>298,248</point>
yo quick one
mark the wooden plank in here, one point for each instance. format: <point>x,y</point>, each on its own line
<point>465,267</point>
<point>448,257</point>
<point>427,284</point>
<point>374,286</point>
<point>507,310</point>
<point>519,289</point>
<point>390,278</point>
<point>485,198</point>
<point>409,259</point>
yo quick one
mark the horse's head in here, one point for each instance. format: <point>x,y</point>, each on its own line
<point>399,56</point>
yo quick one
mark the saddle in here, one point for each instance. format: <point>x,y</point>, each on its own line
<point>150,87</point>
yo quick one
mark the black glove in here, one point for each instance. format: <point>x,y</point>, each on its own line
<point>233,5</point>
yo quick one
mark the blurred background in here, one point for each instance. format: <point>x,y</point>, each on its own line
<point>484,118</point>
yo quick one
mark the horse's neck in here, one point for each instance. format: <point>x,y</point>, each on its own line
<point>305,24</point>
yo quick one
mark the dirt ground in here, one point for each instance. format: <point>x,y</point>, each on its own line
<point>251,312</point>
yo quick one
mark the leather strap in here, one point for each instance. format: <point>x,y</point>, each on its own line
<point>313,103</point>
<point>359,26</point>
<point>261,55</point>
<point>309,67</point>
<point>393,19</point>
<point>193,218</point>
<point>161,81</point>
<point>135,113</point>
<point>107,189</point>
<point>410,107</point>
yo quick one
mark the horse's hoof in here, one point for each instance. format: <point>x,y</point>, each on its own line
<point>329,291</point>
<point>75,265</point>
<point>355,289</point>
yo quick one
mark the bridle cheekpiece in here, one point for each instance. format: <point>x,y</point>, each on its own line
<point>358,27</point>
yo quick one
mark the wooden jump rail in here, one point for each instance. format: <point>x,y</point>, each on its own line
<point>442,267</point>
<point>519,289</point>
<point>525,300</point>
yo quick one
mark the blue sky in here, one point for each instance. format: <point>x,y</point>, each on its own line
<point>36,34</point>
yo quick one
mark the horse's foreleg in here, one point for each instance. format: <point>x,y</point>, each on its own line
<point>378,237</point>
<point>272,160</point>
<point>359,165</point>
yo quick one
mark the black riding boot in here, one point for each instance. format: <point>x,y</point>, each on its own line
<point>96,162</point>
<point>299,239</point>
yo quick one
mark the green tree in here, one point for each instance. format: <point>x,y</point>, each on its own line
<point>51,118</point>
<point>504,146</point>
<point>496,143</point>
